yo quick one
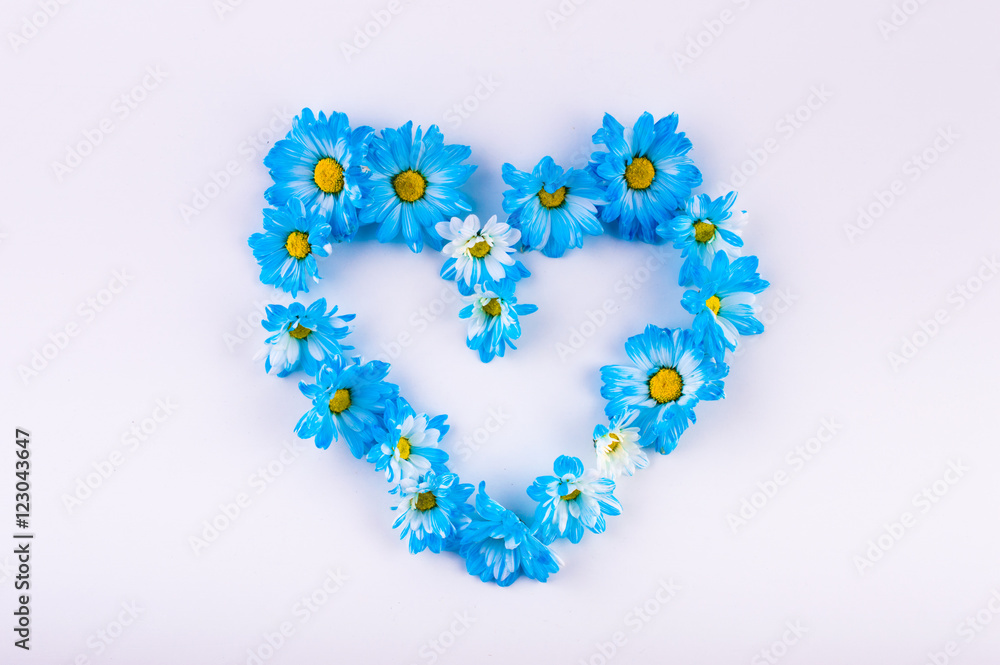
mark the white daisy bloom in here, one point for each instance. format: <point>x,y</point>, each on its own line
<point>476,247</point>
<point>407,462</point>
<point>618,450</point>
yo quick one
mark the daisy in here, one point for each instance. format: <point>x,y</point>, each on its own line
<point>407,448</point>
<point>570,501</point>
<point>553,208</point>
<point>348,401</point>
<point>670,374</point>
<point>617,447</point>
<point>498,547</point>
<point>493,319</point>
<point>722,302</point>
<point>645,174</point>
<point>304,338</point>
<point>702,228</point>
<point>432,510</point>
<point>320,162</point>
<point>287,249</point>
<point>479,253</point>
<point>415,180</point>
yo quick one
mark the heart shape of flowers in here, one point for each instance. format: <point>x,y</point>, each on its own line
<point>329,180</point>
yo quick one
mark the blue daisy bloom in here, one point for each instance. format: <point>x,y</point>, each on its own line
<point>498,547</point>
<point>703,228</point>
<point>432,511</point>
<point>493,319</point>
<point>407,447</point>
<point>320,162</point>
<point>570,501</point>
<point>287,249</point>
<point>479,253</point>
<point>645,174</point>
<point>722,302</point>
<point>348,401</point>
<point>553,208</point>
<point>304,338</point>
<point>415,181</point>
<point>670,374</point>
<point>618,448</point>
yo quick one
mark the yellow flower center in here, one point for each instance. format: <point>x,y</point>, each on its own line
<point>426,501</point>
<point>615,442</point>
<point>572,495</point>
<point>297,244</point>
<point>341,400</point>
<point>666,385</point>
<point>713,304</point>
<point>553,200</point>
<point>704,231</point>
<point>639,173</point>
<point>492,307</point>
<point>403,446</point>
<point>480,249</point>
<point>409,185</point>
<point>329,175</point>
<point>299,331</point>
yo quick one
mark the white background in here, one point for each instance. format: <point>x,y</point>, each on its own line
<point>839,305</point>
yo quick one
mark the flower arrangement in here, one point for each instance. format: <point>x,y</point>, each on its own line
<point>330,179</point>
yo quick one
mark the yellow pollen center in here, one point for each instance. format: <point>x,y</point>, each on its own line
<point>615,442</point>
<point>341,400</point>
<point>572,495</point>
<point>492,307</point>
<point>666,385</point>
<point>480,249</point>
<point>553,200</point>
<point>403,446</point>
<point>409,185</point>
<point>297,244</point>
<point>329,175</point>
<point>426,501</point>
<point>299,331</point>
<point>704,231</point>
<point>713,304</point>
<point>639,173</point>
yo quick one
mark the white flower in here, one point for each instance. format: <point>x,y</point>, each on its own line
<point>477,248</point>
<point>617,447</point>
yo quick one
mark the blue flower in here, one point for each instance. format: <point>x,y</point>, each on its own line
<point>646,174</point>
<point>415,182</point>
<point>287,249</point>
<point>493,319</point>
<point>570,501</point>
<point>348,400</point>
<point>553,208</point>
<point>722,302</point>
<point>432,511</point>
<point>498,547</point>
<point>479,253</point>
<point>304,338</point>
<point>407,447</point>
<point>319,162</point>
<point>670,375</point>
<point>701,229</point>
<point>617,447</point>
